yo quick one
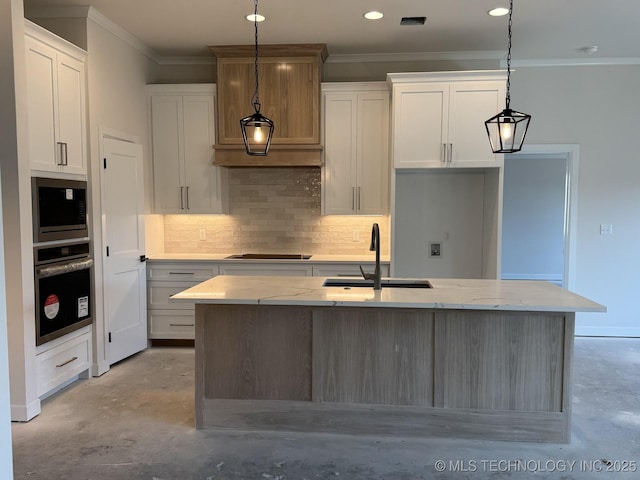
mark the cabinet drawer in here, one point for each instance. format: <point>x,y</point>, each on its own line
<point>197,272</point>
<point>347,270</point>
<point>63,362</point>
<point>267,269</point>
<point>171,325</point>
<point>159,293</point>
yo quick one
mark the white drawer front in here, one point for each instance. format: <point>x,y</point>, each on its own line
<point>267,269</point>
<point>181,272</point>
<point>56,366</point>
<point>159,293</point>
<point>171,325</point>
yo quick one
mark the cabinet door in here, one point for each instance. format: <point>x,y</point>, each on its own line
<point>71,114</point>
<point>167,128</point>
<point>420,122</point>
<point>470,105</point>
<point>340,133</point>
<point>372,159</point>
<point>201,181</point>
<point>41,105</point>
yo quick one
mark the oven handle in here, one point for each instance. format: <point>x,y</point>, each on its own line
<point>68,267</point>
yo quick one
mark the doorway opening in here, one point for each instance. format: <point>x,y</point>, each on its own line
<point>539,216</point>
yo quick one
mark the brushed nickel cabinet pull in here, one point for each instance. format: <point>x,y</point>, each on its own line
<point>353,198</point>
<point>182,324</point>
<point>181,273</point>
<point>359,199</point>
<point>443,153</point>
<point>450,152</point>
<point>187,198</point>
<point>67,362</point>
<point>181,198</point>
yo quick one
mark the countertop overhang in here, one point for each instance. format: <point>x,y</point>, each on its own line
<point>449,294</point>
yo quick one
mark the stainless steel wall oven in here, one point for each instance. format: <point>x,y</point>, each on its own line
<point>63,289</point>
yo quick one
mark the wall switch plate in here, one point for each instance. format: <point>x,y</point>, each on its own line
<point>435,249</point>
<point>606,229</point>
<point>203,234</point>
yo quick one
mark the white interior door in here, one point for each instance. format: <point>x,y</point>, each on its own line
<point>123,232</point>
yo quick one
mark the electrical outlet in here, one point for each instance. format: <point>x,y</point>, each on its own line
<point>606,229</point>
<point>203,234</point>
<point>435,249</point>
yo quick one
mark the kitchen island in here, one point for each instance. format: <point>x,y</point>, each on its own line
<point>470,358</point>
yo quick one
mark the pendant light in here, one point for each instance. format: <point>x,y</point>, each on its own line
<point>507,129</point>
<point>257,129</point>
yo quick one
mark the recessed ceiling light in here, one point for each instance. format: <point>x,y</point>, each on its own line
<point>373,15</point>
<point>255,18</point>
<point>498,12</point>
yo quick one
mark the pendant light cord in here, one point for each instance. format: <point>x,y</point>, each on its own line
<point>255,100</point>
<point>508,99</point>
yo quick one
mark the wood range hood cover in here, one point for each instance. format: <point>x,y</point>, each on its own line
<point>290,77</point>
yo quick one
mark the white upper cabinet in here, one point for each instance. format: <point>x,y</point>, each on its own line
<point>55,103</point>
<point>438,118</point>
<point>356,148</point>
<point>183,134</point>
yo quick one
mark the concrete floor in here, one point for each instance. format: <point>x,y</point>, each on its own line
<point>135,422</point>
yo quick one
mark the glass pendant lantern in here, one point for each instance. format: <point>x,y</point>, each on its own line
<point>507,129</point>
<point>257,129</point>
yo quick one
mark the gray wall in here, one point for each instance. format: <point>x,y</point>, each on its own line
<point>597,108</point>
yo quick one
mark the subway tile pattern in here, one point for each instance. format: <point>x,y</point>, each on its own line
<point>273,210</point>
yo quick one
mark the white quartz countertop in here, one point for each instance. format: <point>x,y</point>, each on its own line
<point>222,257</point>
<point>450,294</point>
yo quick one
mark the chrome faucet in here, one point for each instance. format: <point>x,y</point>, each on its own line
<point>376,276</point>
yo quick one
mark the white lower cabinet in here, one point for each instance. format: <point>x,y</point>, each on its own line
<point>176,321</point>
<point>63,359</point>
<point>167,320</point>
<point>275,269</point>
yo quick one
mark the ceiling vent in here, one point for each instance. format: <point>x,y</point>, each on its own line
<point>413,20</point>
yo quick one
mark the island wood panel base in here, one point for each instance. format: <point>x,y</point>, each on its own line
<point>365,355</point>
<point>355,419</point>
<point>499,375</point>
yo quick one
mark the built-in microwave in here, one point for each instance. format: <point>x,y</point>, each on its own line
<point>59,209</point>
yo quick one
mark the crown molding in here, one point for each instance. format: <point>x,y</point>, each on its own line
<point>414,57</point>
<point>186,60</point>
<point>122,34</point>
<point>94,15</point>
<point>572,62</point>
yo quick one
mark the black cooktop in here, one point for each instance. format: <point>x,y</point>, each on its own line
<point>270,256</point>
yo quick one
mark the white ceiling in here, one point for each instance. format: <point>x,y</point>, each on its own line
<point>542,29</point>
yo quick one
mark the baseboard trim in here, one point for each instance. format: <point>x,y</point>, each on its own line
<point>24,413</point>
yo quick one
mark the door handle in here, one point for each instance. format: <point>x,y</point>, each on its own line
<point>143,258</point>
<point>62,154</point>
<point>353,198</point>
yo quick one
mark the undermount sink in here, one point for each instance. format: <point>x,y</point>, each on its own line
<point>270,256</point>
<point>386,283</point>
